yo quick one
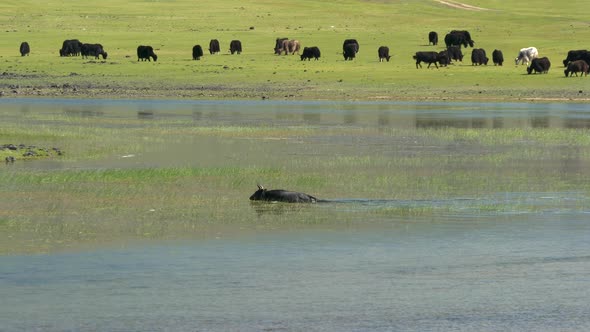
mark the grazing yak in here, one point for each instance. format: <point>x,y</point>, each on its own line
<point>432,38</point>
<point>235,46</point>
<point>428,57</point>
<point>574,55</point>
<point>539,65</point>
<point>497,57</point>
<point>70,47</point>
<point>145,53</point>
<point>526,55</point>
<point>383,53</point>
<point>279,195</point>
<point>443,58</point>
<point>349,51</point>
<point>214,46</point>
<point>353,42</point>
<point>455,53</point>
<point>94,50</point>
<point>310,52</point>
<point>24,49</point>
<point>575,67</point>
<point>197,52</point>
<point>290,46</point>
<point>279,45</point>
<point>458,38</point>
<point>478,57</point>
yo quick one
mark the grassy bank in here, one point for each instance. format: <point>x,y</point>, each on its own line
<point>173,27</point>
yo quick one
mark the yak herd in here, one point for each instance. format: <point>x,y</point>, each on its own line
<point>577,61</point>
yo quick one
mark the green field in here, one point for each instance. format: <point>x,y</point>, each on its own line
<point>173,27</point>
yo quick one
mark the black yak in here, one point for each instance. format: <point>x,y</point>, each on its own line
<point>24,48</point>
<point>497,57</point>
<point>235,46</point>
<point>279,195</point>
<point>94,50</point>
<point>145,53</point>
<point>575,67</point>
<point>197,52</point>
<point>539,65</point>
<point>310,52</point>
<point>432,38</point>
<point>383,53</point>
<point>214,46</point>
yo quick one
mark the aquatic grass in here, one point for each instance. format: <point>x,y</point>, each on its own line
<point>504,136</point>
<point>99,198</point>
<point>137,176</point>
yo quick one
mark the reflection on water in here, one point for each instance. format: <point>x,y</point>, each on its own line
<point>415,234</point>
<point>396,115</point>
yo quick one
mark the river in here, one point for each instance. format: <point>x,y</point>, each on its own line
<point>458,258</point>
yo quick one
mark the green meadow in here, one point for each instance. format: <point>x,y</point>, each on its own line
<point>173,27</point>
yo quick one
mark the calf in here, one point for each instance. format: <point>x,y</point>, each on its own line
<point>575,67</point>
<point>279,195</point>
<point>24,48</point>
<point>310,52</point>
<point>497,57</point>
<point>428,57</point>
<point>383,52</point>
<point>432,38</point>
<point>539,65</point>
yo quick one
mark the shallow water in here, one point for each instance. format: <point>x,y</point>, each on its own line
<point>477,260</point>
<point>459,274</point>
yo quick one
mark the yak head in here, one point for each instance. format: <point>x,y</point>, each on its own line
<point>529,69</point>
<point>258,194</point>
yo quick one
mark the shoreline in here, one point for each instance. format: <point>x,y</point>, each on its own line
<point>301,94</point>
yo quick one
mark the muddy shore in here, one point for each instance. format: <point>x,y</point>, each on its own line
<point>45,87</point>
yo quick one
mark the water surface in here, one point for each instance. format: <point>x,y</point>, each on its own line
<point>426,229</point>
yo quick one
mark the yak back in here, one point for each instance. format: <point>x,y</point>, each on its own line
<point>280,195</point>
